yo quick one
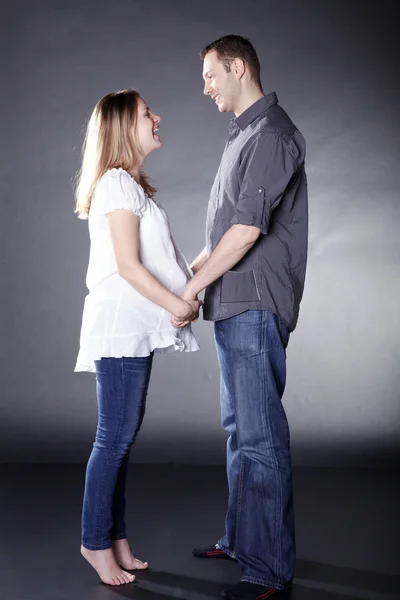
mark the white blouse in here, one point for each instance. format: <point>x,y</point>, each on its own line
<point>117,320</point>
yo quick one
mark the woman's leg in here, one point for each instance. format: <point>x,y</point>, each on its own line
<point>137,374</point>
<point>122,551</point>
<point>121,387</point>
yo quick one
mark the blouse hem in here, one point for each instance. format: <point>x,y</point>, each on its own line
<point>111,349</point>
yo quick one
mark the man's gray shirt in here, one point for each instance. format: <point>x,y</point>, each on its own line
<point>261,181</point>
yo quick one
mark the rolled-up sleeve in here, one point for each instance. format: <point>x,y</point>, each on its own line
<point>269,165</point>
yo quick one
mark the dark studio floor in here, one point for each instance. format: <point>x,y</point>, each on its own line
<point>346,521</point>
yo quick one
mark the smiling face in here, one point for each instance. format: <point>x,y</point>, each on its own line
<point>146,128</point>
<point>222,86</point>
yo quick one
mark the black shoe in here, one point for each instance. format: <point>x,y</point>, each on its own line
<point>210,552</point>
<point>248,591</point>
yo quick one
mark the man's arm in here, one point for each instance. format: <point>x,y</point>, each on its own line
<point>236,242</point>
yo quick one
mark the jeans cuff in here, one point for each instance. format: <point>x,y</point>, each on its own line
<point>96,546</point>
<point>226,550</point>
<point>264,582</point>
<point>119,536</point>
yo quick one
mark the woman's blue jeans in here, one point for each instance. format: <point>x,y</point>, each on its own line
<point>121,385</point>
<point>259,526</point>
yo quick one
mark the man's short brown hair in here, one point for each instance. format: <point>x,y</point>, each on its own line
<point>230,47</point>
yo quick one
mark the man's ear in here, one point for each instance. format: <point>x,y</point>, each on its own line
<point>239,67</point>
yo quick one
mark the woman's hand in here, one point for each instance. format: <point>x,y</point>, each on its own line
<point>190,312</point>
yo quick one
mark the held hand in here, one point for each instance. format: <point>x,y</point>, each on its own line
<point>191,314</point>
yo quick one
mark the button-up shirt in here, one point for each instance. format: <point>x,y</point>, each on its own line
<point>261,181</point>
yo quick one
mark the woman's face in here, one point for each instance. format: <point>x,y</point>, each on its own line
<point>146,127</point>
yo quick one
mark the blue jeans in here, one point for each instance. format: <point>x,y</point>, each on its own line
<point>121,385</point>
<point>259,526</point>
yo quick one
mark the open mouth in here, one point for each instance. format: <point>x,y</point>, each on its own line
<point>156,130</point>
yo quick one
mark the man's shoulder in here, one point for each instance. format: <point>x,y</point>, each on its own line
<point>275,122</point>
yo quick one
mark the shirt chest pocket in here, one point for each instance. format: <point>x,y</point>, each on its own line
<point>239,286</point>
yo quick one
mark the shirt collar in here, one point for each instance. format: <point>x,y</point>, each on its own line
<point>255,110</point>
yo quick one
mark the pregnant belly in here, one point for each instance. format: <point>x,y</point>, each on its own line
<point>170,275</point>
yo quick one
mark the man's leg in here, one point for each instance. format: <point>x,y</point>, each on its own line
<point>260,520</point>
<point>228,402</point>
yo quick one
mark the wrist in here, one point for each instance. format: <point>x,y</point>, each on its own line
<point>190,292</point>
<point>181,309</point>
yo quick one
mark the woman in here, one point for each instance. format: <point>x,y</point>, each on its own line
<point>135,277</point>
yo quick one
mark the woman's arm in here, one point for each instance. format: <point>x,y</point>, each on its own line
<point>199,261</point>
<point>124,229</point>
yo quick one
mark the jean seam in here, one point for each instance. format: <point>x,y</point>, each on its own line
<point>267,425</point>
<point>239,499</point>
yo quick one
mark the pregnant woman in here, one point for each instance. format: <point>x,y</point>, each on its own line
<point>135,277</point>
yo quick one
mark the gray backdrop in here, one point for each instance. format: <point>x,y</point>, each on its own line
<point>334,67</point>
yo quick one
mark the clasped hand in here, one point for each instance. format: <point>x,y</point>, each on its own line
<point>190,312</point>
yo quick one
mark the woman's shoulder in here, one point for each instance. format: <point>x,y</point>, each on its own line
<point>116,187</point>
<point>118,177</point>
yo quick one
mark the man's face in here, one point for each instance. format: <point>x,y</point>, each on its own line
<point>221,86</point>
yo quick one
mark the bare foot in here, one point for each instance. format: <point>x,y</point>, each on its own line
<point>124,556</point>
<point>104,563</point>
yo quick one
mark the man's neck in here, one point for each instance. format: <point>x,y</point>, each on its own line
<point>247,99</point>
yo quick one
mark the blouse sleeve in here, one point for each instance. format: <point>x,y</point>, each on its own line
<point>117,190</point>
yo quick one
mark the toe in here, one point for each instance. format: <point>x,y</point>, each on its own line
<point>129,576</point>
<point>140,564</point>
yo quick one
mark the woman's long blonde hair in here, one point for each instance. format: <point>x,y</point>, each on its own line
<point>108,144</point>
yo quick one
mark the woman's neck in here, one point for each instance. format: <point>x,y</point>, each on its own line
<point>136,170</point>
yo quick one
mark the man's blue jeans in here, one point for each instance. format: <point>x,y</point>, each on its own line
<point>122,385</point>
<point>260,520</point>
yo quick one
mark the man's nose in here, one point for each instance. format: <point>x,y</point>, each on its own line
<point>206,90</point>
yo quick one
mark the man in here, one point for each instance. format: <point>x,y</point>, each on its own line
<point>253,269</point>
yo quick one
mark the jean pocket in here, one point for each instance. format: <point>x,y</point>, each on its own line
<point>239,286</point>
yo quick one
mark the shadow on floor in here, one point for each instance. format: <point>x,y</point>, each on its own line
<point>313,581</point>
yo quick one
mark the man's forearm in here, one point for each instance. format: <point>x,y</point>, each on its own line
<point>236,242</point>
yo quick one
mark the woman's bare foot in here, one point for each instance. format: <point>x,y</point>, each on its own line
<point>124,556</point>
<point>103,561</point>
